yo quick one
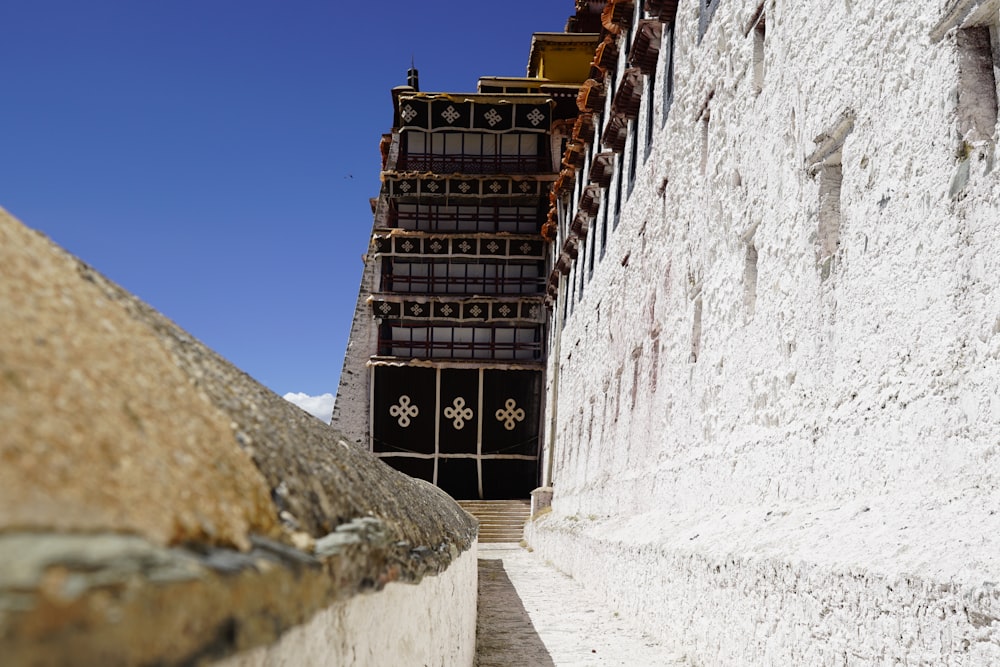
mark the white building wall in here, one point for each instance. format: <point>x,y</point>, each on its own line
<point>748,481</point>
<point>430,623</point>
<point>351,405</point>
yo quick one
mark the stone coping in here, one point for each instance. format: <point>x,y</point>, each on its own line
<point>158,505</point>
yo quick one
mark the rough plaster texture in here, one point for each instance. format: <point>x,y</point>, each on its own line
<point>770,454</point>
<point>431,623</point>
<point>532,614</point>
<point>351,406</point>
<point>159,506</point>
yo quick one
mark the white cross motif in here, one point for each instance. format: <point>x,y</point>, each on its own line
<point>446,310</point>
<point>408,113</point>
<point>432,186</point>
<point>476,311</point>
<point>407,246</point>
<point>525,186</point>
<point>416,309</point>
<point>533,312</point>
<point>385,308</point>
<point>404,186</point>
<point>495,186</point>
<point>404,411</point>
<point>525,247</point>
<point>464,246</point>
<point>464,187</point>
<point>436,246</point>
<point>536,117</point>
<point>510,416</point>
<point>450,114</point>
<point>492,117</point>
<point>505,310</point>
<point>492,246</point>
<point>459,413</point>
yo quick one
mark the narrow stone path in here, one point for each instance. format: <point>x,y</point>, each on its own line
<point>532,615</point>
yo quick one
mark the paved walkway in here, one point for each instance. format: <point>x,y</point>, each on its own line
<point>532,615</point>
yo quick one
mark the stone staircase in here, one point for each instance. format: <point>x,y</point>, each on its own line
<point>499,520</point>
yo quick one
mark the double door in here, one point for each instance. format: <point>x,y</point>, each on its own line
<point>471,431</point>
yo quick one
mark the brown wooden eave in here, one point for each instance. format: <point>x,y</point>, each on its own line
<point>583,128</point>
<point>606,55</point>
<point>591,97</point>
<point>645,49</point>
<point>615,133</point>
<point>628,97</point>
<point>617,15</point>
<point>590,200</point>
<point>664,10</point>
<point>602,169</point>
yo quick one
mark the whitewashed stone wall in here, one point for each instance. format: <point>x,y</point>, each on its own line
<point>351,405</point>
<point>404,624</point>
<point>766,457</point>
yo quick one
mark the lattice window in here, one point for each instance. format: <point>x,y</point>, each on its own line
<point>520,343</point>
<point>450,276</point>
<point>473,152</point>
<point>440,218</point>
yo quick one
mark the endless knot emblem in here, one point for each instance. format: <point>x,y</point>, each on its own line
<point>446,310</point>
<point>536,117</point>
<point>495,186</point>
<point>534,312</point>
<point>385,308</point>
<point>525,186</point>
<point>525,247</point>
<point>436,246</point>
<point>510,416</point>
<point>492,246</point>
<point>404,411</point>
<point>432,186</point>
<point>504,310</point>
<point>405,186</point>
<point>407,246</point>
<point>459,413</point>
<point>492,117</point>
<point>464,187</point>
<point>450,114</point>
<point>408,113</point>
<point>464,246</point>
<point>416,309</point>
<point>476,311</point>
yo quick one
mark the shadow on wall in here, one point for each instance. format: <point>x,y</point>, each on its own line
<point>504,632</point>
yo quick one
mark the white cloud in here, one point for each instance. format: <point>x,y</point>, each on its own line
<point>320,406</point>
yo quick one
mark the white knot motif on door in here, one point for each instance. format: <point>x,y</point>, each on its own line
<point>404,411</point>
<point>510,416</point>
<point>459,413</point>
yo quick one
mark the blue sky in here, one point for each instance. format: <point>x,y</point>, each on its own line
<point>216,157</point>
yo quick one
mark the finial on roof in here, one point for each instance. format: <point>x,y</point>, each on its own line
<point>412,76</point>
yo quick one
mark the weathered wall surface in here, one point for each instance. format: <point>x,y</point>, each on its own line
<point>158,506</point>
<point>770,457</point>
<point>426,624</point>
<point>350,407</point>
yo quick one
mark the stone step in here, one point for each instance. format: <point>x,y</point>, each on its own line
<point>499,520</point>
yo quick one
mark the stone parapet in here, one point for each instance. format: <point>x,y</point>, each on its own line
<point>157,505</point>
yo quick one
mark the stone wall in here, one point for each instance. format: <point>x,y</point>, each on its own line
<point>351,405</point>
<point>159,506</point>
<point>777,407</point>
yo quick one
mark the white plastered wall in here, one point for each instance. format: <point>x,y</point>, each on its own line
<point>820,486</point>
<point>430,623</point>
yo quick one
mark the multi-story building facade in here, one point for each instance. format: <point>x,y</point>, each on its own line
<point>454,321</point>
